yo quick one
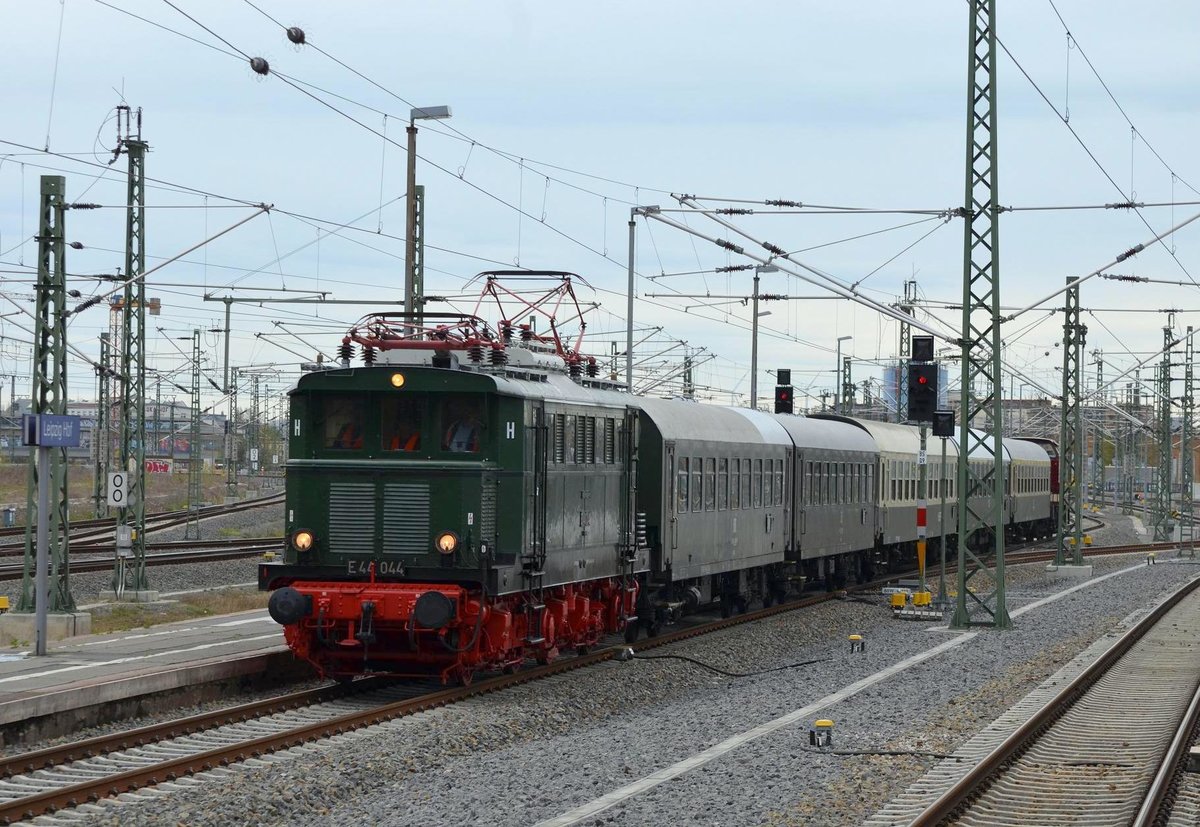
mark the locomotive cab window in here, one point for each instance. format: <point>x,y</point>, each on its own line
<point>400,421</point>
<point>462,423</point>
<point>344,420</point>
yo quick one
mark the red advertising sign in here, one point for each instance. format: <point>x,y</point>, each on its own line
<point>159,466</point>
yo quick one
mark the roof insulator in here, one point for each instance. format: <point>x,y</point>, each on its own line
<point>729,246</point>
<point>1132,251</point>
<point>773,250</point>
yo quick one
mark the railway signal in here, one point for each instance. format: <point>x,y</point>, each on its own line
<point>784,399</point>
<point>922,391</point>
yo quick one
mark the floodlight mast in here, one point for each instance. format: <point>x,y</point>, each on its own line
<point>414,235</point>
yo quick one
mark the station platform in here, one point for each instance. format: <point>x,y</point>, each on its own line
<point>97,678</point>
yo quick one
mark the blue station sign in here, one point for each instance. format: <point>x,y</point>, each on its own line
<point>51,430</point>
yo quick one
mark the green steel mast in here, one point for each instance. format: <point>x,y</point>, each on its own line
<point>1164,525</point>
<point>132,456</point>
<point>1070,440</point>
<point>981,452</point>
<point>195,458</point>
<point>1187,459</point>
<point>50,397</point>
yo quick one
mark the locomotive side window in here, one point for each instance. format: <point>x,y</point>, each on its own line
<point>401,423</point>
<point>462,423</point>
<point>722,484</point>
<point>697,484</point>
<point>344,416</point>
<point>681,486</point>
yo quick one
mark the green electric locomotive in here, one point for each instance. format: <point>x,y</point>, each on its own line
<point>453,505</point>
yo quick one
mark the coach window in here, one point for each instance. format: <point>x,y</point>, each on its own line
<point>722,484</point>
<point>681,486</point>
<point>735,470</point>
<point>756,491</point>
<point>710,484</point>
<point>401,423</point>
<point>697,484</point>
<point>779,464</point>
<point>768,486</point>
<point>344,417</point>
<point>745,482</point>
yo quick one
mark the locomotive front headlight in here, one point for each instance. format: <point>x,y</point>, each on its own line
<point>397,380</point>
<point>446,542</point>
<point>302,539</point>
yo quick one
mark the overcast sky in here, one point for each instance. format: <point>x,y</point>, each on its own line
<point>573,113</point>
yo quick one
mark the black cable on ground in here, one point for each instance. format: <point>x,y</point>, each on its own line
<point>888,752</point>
<point>719,671</point>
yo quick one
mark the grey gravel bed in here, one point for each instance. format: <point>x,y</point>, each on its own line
<point>539,750</point>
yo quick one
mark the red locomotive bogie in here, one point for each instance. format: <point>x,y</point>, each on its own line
<point>422,629</point>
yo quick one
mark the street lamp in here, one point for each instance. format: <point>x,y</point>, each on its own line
<point>411,267</point>
<point>837,375</point>
<point>758,270</point>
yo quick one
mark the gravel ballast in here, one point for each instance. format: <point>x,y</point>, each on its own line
<point>537,751</point>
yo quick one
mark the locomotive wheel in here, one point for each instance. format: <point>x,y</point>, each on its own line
<point>582,650</point>
<point>631,631</point>
<point>511,668</point>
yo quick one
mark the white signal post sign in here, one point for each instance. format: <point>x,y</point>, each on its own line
<point>118,489</point>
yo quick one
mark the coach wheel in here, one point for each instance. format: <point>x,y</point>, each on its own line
<point>726,607</point>
<point>742,604</point>
<point>768,599</point>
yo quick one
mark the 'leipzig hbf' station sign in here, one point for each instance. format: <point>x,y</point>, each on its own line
<point>50,430</point>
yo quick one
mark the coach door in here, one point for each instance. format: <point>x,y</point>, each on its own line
<point>672,495</point>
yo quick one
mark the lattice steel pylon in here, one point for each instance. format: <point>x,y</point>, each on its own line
<point>1187,459</point>
<point>195,457</point>
<point>132,456</point>
<point>1097,434</point>
<point>50,397</point>
<point>846,400</point>
<point>231,457</point>
<point>1164,524</point>
<point>100,429</point>
<point>981,453</point>
<point>907,306</point>
<point>1069,537</point>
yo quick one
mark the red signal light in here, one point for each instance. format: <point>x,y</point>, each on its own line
<point>922,380</point>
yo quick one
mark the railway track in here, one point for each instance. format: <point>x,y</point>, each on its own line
<point>192,551</point>
<point>1105,750</point>
<point>86,771</point>
<point>87,530</point>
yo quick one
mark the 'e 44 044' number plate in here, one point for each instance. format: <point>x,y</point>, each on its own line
<point>389,568</point>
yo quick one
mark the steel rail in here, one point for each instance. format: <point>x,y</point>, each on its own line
<point>91,791</point>
<point>958,797</point>
<point>1157,803</point>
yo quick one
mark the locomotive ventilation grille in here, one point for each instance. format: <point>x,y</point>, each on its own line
<point>352,518</point>
<point>406,518</point>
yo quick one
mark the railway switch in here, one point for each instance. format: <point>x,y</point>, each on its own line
<point>821,735</point>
